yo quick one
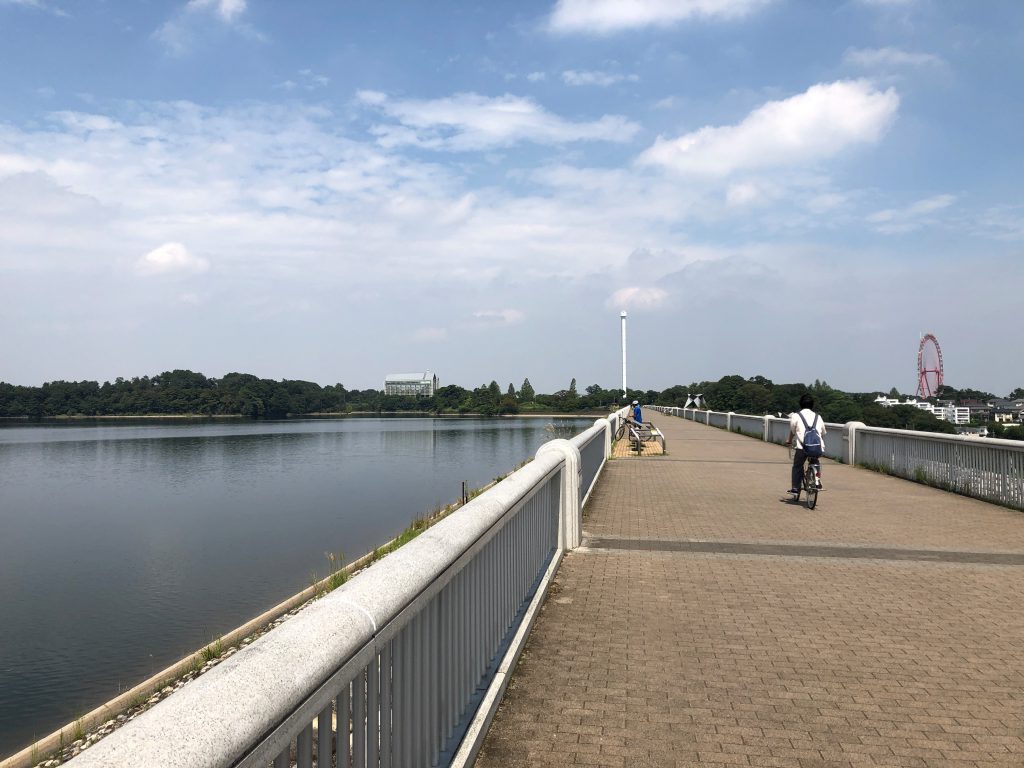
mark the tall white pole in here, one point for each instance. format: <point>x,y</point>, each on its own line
<point>623,317</point>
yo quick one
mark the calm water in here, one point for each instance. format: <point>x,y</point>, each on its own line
<point>124,547</point>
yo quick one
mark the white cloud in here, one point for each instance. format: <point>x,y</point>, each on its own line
<point>536,77</point>
<point>171,259</point>
<point>503,316</point>
<point>880,58</point>
<point>742,194</point>
<point>637,297</point>
<point>826,201</point>
<point>609,16</point>
<point>911,217</point>
<point>178,33</point>
<point>469,122</point>
<point>307,80</point>
<point>819,123</point>
<point>1002,222</point>
<point>228,10</point>
<point>574,77</point>
<point>430,335</point>
<point>38,5</point>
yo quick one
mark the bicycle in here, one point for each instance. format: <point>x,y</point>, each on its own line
<point>631,428</point>
<point>809,479</point>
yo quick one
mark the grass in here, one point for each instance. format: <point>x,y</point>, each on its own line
<point>339,574</point>
<point>212,651</point>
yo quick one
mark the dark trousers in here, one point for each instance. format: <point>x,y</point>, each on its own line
<point>799,457</point>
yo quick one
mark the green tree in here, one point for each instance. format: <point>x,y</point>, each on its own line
<point>526,393</point>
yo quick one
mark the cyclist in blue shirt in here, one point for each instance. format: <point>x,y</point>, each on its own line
<point>636,412</point>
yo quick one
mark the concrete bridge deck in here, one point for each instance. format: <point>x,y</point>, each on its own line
<point>706,621</point>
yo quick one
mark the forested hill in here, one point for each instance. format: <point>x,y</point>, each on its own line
<point>183,392</point>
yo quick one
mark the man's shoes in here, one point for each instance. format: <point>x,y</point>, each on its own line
<point>794,491</point>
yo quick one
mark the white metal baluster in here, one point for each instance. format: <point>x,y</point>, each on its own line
<point>343,716</point>
<point>387,723</point>
<point>304,747</point>
<point>372,713</point>
<point>400,704</point>
<point>435,679</point>
<point>447,646</point>
<point>420,756</point>
<point>324,734</point>
<point>359,720</point>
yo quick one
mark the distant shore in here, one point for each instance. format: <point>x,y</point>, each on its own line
<point>219,416</point>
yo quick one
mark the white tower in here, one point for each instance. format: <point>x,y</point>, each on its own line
<point>623,317</point>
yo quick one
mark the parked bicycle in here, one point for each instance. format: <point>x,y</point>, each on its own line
<point>637,433</point>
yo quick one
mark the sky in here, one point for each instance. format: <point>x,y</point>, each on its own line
<point>335,190</point>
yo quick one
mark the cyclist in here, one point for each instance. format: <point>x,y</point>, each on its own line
<point>636,412</point>
<point>800,423</point>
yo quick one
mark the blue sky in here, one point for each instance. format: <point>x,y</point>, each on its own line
<point>337,190</point>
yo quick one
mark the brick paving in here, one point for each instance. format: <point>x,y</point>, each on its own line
<point>706,621</point>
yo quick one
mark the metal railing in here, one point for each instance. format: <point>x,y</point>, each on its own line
<point>390,669</point>
<point>983,468</point>
<point>594,446</point>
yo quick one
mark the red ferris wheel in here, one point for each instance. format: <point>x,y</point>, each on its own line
<point>929,366</point>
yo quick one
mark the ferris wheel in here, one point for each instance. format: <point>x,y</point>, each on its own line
<point>929,366</point>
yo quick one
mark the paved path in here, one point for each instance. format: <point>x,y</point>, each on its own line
<point>707,622</point>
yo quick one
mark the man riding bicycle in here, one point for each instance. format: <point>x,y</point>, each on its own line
<point>809,447</point>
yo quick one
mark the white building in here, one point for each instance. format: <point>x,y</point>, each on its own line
<point>411,384</point>
<point>956,414</point>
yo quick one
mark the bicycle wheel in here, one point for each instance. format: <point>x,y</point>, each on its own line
<point>811,487</point>
<point>620,431</point>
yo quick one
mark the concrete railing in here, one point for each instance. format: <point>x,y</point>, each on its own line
<point>405,664</point>
<point>983,468</point>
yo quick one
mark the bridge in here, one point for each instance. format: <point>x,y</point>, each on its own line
<point>706,620</point>
<point>690,614</point>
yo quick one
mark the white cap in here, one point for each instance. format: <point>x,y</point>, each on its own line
<point>636,402</point>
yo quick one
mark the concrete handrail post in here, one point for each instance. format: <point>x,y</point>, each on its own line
<point>570,522</point>
<point>728,421</point>
<point>767,434</point>
<point>607,424</point>
<point>850,454</point>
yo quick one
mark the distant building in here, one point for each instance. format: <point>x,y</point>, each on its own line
<point>980,410</point>
<point>1007,411</point>
<point>411,384</point>
<point>945,410</point>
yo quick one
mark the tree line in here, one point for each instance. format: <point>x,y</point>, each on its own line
<point>184,392</point>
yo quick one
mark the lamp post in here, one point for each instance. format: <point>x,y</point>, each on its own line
<point>622,316</point>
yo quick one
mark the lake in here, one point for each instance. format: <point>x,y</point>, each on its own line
<point>126,546</point>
